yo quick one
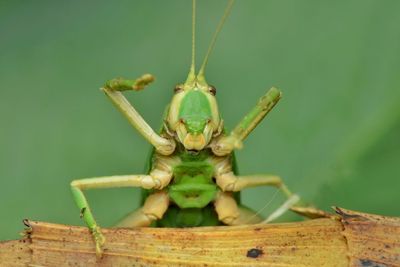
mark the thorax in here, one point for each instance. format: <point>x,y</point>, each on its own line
<point>194,167</point>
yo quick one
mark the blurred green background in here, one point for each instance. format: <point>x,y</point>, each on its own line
<point>334,137</point>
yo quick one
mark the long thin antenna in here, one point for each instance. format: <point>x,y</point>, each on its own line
<point>263,208</point>
<point>192,72</point>
<point>214,39</point>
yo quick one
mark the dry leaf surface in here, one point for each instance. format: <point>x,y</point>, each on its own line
<point>357,239</point>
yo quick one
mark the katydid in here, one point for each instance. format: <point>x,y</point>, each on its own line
<point>192,179</point>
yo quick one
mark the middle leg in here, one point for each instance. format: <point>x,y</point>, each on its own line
<point>157,179</point>
<point>224,145</point>
<point>230,182</point>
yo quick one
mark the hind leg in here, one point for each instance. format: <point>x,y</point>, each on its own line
<point>153,209</point>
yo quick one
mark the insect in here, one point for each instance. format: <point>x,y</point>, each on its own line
<point>192,180</point>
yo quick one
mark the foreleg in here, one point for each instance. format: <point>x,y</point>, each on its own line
<point>224,145</point>
<point>164,146</point>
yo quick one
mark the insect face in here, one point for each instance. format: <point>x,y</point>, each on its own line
<point>193,114</point>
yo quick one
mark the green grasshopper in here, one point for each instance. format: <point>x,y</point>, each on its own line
<point>192,180</point>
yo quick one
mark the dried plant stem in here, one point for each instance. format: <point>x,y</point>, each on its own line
<point>356,239</point>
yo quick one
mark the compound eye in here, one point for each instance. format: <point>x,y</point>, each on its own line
<point>212,90</point>
<point>178,89</point>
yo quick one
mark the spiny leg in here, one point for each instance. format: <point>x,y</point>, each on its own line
<point>153,209</point>
<point>112,89</point>
<point>231,214</point>
<point>156,179</point>
<point>224,145</point>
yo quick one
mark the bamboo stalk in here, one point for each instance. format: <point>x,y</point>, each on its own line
<point>357,239</point>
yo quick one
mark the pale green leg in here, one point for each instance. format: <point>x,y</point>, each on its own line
<point>77,187</point>
<point>112,89</point>
<point>293,202</point>
<point>87,216</point>
<point>226,144</point>
<point>231,182</point>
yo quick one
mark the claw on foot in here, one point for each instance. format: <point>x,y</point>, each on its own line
<point>99,239</point>
<point>143,81</point>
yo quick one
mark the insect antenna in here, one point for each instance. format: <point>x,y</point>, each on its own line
<point>192,72</point>
<point>264,207</point>
<point>227,11</point>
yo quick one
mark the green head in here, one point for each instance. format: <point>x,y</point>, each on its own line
<point>193,116</point>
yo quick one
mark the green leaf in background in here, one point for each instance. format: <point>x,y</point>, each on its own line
<point>334,137</point>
